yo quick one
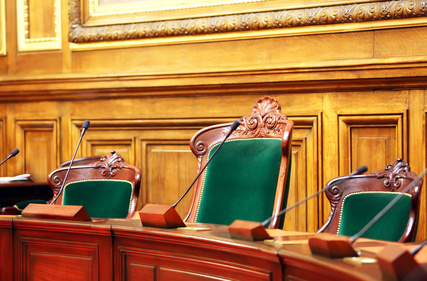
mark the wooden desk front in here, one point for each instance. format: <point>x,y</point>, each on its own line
<point>123,250</point>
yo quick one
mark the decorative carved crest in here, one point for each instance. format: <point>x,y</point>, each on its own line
<point>266,119</point>
<point>110,163</point>
<point>393,173</point>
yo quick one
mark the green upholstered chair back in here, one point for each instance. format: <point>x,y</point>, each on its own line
<point>359,208</point>
<point>248,178</point>
<point>355,201</point>
<point>107,188</point>
<point>113,197</point>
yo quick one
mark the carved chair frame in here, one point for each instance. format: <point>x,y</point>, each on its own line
<point>110,166</point>
<point>265,121</point>
<point>394,178</point>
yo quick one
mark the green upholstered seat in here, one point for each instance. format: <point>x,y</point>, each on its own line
<point>100,198</point>
<point>359,208</point>
<point>241,182</point>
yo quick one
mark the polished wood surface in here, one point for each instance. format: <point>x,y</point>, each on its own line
<point>117,249</point>
<point>350,74</point>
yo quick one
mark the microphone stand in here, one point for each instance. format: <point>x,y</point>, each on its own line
<point>165,216</point>
<point>85,126</point>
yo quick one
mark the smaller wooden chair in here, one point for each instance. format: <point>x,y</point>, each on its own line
<point>108,188</point>
<point>354,202</point>
<point>249,177</point>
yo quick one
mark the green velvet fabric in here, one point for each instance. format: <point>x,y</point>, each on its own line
<point>100,198</point>
<point>241,181</point>
<point>21,205</point>
<point>359,209</point>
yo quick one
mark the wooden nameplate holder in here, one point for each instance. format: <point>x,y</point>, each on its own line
<point>332,246</point>
<point>58,212</point>
<point>248,230</point>
<point>162,216</point>
<point>396,263</point>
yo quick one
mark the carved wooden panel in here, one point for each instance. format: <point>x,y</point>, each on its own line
<point>100,141</point>
<point>304,175</point>
<point>136,272</point>
<point>58,252</point>
<point>171,170</point>
<point>162,266</point>
<point>47,257</point>
<point>38,142</point>
<point>374,141</point>
<point>39,24</point>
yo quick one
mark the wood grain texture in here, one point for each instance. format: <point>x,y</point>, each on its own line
<point>352,89</point>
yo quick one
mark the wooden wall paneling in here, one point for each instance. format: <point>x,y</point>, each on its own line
<point>102,137</point>
<point>170,169</point>
<point>39,25</point>
<point>39,143</point>
<point>3,50</point>
<point>329,145</point>
<point>417,149</point>
<point>304,176</point>
<point>362,136</point>
<point>3,152</point>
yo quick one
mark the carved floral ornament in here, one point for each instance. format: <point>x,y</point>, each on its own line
<point>109,164</point>
<point>364,12</point>
<point>266,119</point>
<point>393,174</point>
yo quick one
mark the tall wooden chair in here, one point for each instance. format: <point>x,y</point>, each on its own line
<point>108,188</point>
<point>354,202</point>
<point>249,177</point>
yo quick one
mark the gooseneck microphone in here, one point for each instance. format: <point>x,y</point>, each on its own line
<point>387,208</point>
<point>85,126</point>
<point>12,154</point>
<point>358,171</point>
<point>232,129</point>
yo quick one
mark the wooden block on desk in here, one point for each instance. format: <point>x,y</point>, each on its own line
<point>59,212</point>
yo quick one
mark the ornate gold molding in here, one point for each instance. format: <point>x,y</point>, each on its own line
<point>29,42</point>
<point>279,19</point>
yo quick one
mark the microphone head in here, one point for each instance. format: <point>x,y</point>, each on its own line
<point>14,152</point>
<point>86,124</point>
<point>361,170</point>
<point>234,125</point>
